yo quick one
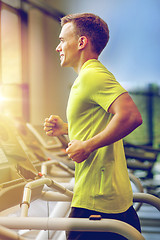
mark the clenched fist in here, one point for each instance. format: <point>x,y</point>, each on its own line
<point>55,126</point>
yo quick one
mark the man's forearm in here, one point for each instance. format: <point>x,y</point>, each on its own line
<point>65,129</point>
<point>114,131</point>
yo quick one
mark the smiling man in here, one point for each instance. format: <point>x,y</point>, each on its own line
<point>100,114</point>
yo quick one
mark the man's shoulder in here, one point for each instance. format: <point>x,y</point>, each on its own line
<point>96,72</point>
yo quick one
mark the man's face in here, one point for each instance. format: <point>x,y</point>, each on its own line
<point>68,46</point>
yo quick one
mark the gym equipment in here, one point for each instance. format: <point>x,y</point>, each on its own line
<point>141,158</point>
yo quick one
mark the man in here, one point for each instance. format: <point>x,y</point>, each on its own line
<point>100,113</point>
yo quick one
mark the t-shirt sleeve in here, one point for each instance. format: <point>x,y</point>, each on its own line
<point>104,89</point>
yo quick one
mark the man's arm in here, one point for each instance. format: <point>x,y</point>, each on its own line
<point>126,118</point>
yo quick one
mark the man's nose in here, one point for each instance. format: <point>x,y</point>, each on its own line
<point>58,49</point>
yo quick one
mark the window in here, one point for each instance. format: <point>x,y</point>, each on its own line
<point>13,48</point>
<point>10,47</point>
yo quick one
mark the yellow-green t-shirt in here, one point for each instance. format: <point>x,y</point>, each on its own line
<point>101,182</point>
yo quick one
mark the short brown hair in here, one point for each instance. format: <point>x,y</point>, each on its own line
<point>91,26</point>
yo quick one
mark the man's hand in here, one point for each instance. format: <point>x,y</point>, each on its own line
<point>54,126</point>
<point>78,151</point>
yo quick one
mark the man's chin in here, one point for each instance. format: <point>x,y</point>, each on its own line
<point>63,64</point>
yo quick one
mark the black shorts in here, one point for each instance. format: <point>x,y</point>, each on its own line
<point>130,217</point>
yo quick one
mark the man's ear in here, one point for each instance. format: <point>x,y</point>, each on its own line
<point>83,40</point>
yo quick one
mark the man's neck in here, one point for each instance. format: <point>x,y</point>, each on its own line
<point>82,61</point>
